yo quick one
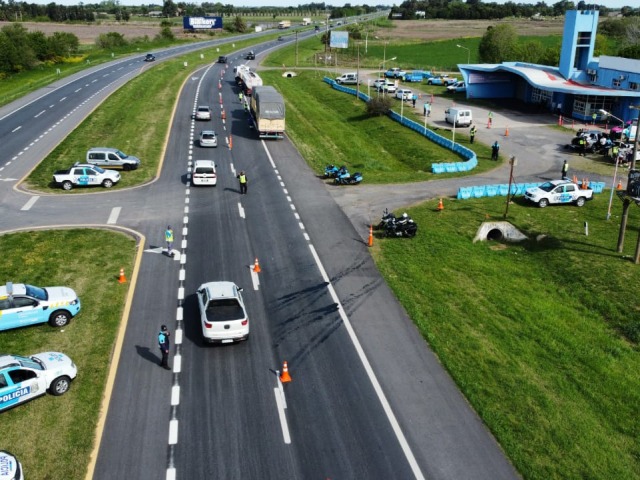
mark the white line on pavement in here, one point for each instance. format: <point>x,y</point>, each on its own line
<point>30,203</point>
<point>283,417</point>
<point>113,216</point>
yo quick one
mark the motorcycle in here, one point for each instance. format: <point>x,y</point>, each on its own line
<point>387,217</point>
<point>348,179</point>
<point>333,171</point>
<point>401,227</point>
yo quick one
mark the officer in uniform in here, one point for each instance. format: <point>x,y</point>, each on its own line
<point>242,178</point>
<point>582,146</point>
<point>165,345</point>
<point>168,236</point>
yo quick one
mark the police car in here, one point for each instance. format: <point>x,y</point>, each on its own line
<point>24,378</point>
<point>22,305</point>
<point>10,467</point>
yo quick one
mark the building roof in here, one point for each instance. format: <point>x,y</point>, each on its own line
<point>546,78</point>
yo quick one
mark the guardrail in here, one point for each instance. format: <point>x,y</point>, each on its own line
<point>471,159</point>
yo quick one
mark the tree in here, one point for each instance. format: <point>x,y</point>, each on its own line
<point>239,24</point>
<point>498,44</point>
<point>169,9</point>
<point>530,52</point>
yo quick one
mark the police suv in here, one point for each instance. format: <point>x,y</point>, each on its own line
<point>22,305</point>
<point>24,378</point>
<point>10,467</point>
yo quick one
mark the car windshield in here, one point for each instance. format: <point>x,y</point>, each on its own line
<point>36,292</point>
<point>204,171</point>
<point>203,109</point>
<point>30,362</point>
<point>98,169</point>
<point>121,154</point>
<point>547,186</point>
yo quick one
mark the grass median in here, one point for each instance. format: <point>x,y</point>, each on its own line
<point>53,436</point>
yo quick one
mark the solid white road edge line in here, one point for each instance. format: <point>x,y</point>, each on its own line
<point>264,145</point>
<point>283,418</point>
<point>371,374</point>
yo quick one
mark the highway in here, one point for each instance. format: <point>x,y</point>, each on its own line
<point>368,399</point>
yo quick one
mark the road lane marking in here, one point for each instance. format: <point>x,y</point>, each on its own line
<point>16,129</point>
<point>36,116</point>
<point>177,363</point>
<point>30,203</point>
<point>179,314</point>
<point>171,474</point>
<point>254,278</point>
<point>283,418</point>
<point>175,395</point>
<point>173,432</point>
<point>113,217</point>
<point>370,373</point>
<point>241,210</point>
<point>181,293</point>
<point>178,336</point>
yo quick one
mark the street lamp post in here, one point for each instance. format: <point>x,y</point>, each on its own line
<point>615,171</point>
<point>468,53</point>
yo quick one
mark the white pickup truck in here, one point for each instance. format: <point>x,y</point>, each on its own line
<point>86,175</point>
<point>558,191</point>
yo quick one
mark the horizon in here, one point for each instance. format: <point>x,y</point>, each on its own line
<point>615,4</point>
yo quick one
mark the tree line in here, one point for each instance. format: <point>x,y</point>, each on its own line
<point>477,10</point>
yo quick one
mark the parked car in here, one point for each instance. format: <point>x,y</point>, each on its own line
<point>203,112</point>
<point>22,305</point>
<point>442,80</point>
<point>457,87</point>
<point>348,79</point>
<point>112,158</point>
<point>558,191</point>
<point>149,57</point>
<point>395,72</point>
<point>85,175</point>
<point>204,173</point>
<point>10,467</point>
<point>385,85</point>
<point>223,316</point>
<point>404,94</point>
<point>208,138</point>
<point>24,378</point>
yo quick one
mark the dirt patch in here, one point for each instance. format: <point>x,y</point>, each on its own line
<point>446,29</point>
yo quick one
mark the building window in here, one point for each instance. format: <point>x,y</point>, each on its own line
<point>617,82</point>
<point>541,96</point>
<point>593,77</point>
<point>634,86</point>
<point>584,38</point>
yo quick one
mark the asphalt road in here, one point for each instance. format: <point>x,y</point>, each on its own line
<point>368,398</point>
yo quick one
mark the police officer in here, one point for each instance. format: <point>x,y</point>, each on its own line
<point>472,133</point>
<point>240,97</point>
<point>495,148</point>
<point>242,178</point>
<point>615,151</point>
<point>565,170</point>
<point>168,236</point>
<point>165,345</point>
<point>582,145</point>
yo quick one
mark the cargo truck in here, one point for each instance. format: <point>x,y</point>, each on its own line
<point>268,112</point>
<point>306,21</point>
<point>284,24</point>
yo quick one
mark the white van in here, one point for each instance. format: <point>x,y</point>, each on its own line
<point>347,79</point>
<point>204,173</point>
<point>459,117</point>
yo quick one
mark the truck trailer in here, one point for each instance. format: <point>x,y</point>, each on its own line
<point>284,24</point>
<point>268,112</point>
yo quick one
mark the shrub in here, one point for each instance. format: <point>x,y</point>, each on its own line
<point>378,106</point>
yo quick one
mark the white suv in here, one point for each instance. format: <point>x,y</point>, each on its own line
<point>385,85</point>
<point>404,94</point>
<point>204,173</point>
<point>222,314</point>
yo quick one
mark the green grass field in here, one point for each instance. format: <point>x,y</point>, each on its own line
<point>542,338</point>
<point>53,436</point>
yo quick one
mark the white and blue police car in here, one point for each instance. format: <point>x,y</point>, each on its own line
<point>24,378</point>
<point>22,305</point>
<point>10,467</point>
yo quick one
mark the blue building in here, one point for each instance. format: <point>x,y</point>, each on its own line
<point>581,86</point>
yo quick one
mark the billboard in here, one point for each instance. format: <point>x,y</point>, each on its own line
<point>339,39</point>
<point>201,23</point>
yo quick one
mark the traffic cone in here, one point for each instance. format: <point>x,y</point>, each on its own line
<point>370,236</point>
<point>219,85</point>
<point>223,114</point>
<point>575,179</point>
<point>122,278</point>
<point>619,187</point>
<point>230,142</point>
<point>440,206</point>
<point>284,376</point>
<point>256,266</point>
<point>506,132</point>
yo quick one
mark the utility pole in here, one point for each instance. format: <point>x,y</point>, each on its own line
<point>358,76</point>
<point>513,162</point>
<point>626,202</point>
<point>296,48</point>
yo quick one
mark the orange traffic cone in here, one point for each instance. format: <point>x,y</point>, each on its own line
<point>506,132</point>
<point>230,142</point>
<point>122,278</point>
<point>284,376</point>
<point>440,206</point>
<point>370,236</point>
<point>619,187</point>
<point>256,266</point>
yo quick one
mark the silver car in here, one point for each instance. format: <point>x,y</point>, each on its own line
<point>203,112</point>
<point>208,138</point>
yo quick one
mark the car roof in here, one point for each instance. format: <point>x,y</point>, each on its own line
<point>18,289</point>
<point>210,132</point>
<point>202,107</point>
<point>103,149</point>
<point>202,163</point>
<point>8,361</point>
<point>221,289</point>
